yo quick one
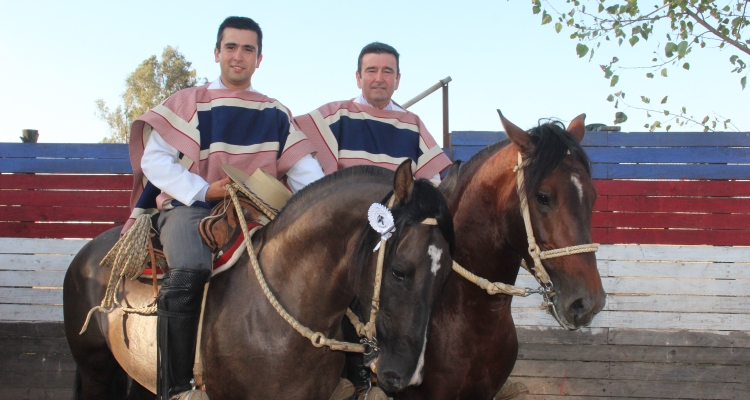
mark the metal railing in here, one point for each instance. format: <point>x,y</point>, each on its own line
<point>443,83</point>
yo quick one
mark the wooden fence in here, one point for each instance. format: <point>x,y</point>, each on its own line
<point>676,323</point>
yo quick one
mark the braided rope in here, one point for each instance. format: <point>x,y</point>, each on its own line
<point>316,338</point>
<point>126,259</point>
<point>490,287</point>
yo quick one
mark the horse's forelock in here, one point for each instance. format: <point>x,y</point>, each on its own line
<point>426,202</point>
<point>551,146</point>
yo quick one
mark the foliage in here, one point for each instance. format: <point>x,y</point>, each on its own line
<point>150,84</point>
<point>689,25</point>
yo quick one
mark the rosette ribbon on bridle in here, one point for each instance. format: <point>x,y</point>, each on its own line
<point>381,220</point>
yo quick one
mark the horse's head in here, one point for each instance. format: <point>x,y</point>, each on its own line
<point>561,195</point>
<point>418,260</point>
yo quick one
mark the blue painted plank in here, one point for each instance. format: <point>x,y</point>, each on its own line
<point>679,139</point>
<point>61,165</point>
<point>64,150</point>
<point>724,155</point>
<point>646,171</point>
<point>486,138</point>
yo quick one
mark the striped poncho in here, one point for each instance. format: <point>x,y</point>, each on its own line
<point>210,128</point>
<point>346,133</point>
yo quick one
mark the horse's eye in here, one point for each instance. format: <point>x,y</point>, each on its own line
<point>398,274</point>
<point>542,199</point>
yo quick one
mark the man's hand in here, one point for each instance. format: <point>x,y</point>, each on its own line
<point>216,190</point>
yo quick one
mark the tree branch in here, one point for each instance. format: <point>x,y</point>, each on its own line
<point>713,30</point>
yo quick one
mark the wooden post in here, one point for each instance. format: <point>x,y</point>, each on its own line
<point>446,133</point>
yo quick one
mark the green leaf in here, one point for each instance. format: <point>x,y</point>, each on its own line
<point>684,110</point>
<point>581,50</point>
<point>705,119</point>
<point>536,9</point>
<point>620,117</point>
<point>664,72</point>
<point>682,48</point>
<point>645,99</point>
<point>668,127</point>
<point>546,18</point>
<point>733,59</point>
<point>558,27</point>
<point>664,100</point>
<point>610,98</point>
<point>614,80</point>
<point>633,40</point>
<point>686,66</point>
<point>649,75</point>
<point>743,81</point>
<point>601,7</point>
<point>666,112</point>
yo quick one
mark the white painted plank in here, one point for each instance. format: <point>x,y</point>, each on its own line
<point>32,278</point>
<point>35,262</point>
<point>706,287</point>
<point>667,303</point>
<point>30,296</point>
<point>645,320</point>
<point>674,253</point>
<point>41,246</point>
<point>30,313</point>
<point>701,270</point>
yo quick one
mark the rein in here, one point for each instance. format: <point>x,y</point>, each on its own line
<point>369,343</point>
<point>540,274</point>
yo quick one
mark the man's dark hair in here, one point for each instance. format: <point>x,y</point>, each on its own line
<point>240,23</point>
<point>377,48</point>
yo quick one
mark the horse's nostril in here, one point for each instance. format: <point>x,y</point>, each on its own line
<point>577,308</point>
<point>392,379</point>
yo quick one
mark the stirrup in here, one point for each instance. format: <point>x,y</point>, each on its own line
<point>194,394</point>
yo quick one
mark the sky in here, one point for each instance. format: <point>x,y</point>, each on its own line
<point>58,58</point>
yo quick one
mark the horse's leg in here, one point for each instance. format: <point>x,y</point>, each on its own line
<point>100,375</point>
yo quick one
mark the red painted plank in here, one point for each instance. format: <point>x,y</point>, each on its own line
<point>60,181</point>
<point>64,198</point>
<point>674,204</point>
<point>64,214</point>
<point>673,188</point>
<point>670,220</point>
<point>715,237</point>
<point>53,230</point>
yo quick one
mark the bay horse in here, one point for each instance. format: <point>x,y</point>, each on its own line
<point>472,344</point>
<point>317,256</point>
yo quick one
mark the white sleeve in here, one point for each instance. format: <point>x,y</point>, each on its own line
<point>304,172</point>
<point>436,178</point>
<point>161,165</point>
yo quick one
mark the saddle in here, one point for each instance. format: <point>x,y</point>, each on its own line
<point>222,232</point>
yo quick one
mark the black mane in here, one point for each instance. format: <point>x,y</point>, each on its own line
<point>551,145</point>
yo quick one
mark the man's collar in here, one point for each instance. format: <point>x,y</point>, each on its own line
<point>218,84</point>
<point>391,106</point>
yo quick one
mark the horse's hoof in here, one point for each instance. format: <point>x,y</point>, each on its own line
<point>511,390</point>
<point>191,395</point>
<point>374,393</point>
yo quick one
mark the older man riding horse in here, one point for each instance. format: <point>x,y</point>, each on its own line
<point>317,256</point>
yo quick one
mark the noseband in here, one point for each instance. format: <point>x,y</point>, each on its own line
<point>537,255</point>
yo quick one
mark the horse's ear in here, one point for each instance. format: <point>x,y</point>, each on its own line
<point>577,127</point>
<point>403,182</point>
<point>448,184</point>
<point>517,135</point>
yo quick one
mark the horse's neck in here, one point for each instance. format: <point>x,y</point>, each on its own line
<point>490,234</point>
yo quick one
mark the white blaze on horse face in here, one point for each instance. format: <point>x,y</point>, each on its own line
<point>416,379</point>
<point>577,183</point>
<point>435,254</point>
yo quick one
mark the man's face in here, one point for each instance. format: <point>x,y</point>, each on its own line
<point>378,78</point>
<point>238,57</point>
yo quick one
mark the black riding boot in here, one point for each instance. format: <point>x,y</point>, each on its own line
<point>354,369</point>
<point>178,306</point>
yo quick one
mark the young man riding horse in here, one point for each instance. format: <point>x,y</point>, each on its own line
<point>177,150</point>
<point>372,130</point>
